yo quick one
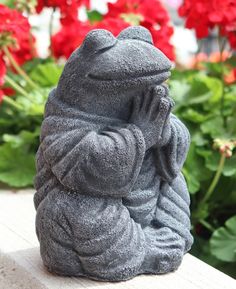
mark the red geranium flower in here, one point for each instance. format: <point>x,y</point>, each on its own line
<point>72,35</point>
<point>2,71</point>
<point>12,21</point>
<point>25,50</point>
<point>161,39</point>
<point>123,6</point>
<point>60,3</point>
<point>6,90</point>
<point>68,9</point>
<point>204,15</point>
<point>15,33</point>
<point>230,78</point>
<point>2,74</point>
<point>69,38</point>
<point>1,95</point>
<point>148,13</point>
<point>115,25</point>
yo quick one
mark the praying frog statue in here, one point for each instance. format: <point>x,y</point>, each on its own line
<point>111,200</point>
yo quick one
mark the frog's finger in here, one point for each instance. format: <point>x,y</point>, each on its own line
<point>166,89</point>
<point>171,101</point>
<point>159,91</point>
<point>146,97</point>
<point>163,114</point>
<point>153,106</point>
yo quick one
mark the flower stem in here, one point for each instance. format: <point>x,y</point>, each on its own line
<point>207,225</point>
<point>12,103</point>
<point>215,180</point>
<point>16,86</point>
<point>18,68</point>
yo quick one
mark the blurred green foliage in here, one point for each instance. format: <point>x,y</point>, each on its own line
<point>203,102</point>
<point>208,108</point>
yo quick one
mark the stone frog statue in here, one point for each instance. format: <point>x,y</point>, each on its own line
<point>111,200</point>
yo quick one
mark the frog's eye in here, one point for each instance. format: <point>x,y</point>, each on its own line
<point>98,39</point>
<point>136,32</point>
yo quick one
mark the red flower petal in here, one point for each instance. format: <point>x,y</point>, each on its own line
<point>13,22</point>
<point>154,17</point>
<point>204,15</point>
<point>69,38</point>
<point>1,96</point>
<point>2,71</point>
<point>115,25</point>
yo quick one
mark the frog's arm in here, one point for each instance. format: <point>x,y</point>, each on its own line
<point>171,156</point>
<point>95,162</point>
<point>173,201</point>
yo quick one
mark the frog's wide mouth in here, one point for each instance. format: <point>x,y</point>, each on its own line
<point>159,74</point>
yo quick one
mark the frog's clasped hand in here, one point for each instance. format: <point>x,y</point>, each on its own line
<point>151,113</point>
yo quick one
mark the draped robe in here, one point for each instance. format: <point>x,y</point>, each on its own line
<point>107,206</point>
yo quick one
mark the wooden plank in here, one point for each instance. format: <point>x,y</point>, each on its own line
<point>21,265</point>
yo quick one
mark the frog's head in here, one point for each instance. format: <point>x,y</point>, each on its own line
<point>110,71</point>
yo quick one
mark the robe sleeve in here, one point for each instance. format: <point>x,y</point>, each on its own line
<point>171,157</point>
<point>96,162</point>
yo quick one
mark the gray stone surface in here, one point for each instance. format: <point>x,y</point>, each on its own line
<point>111,200</point>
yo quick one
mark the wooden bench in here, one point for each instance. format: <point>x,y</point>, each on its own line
<point>21,265</point>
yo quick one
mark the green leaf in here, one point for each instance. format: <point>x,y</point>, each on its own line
<point>177,74</point>
<point>23,138</point>
<point>215,86</point>
<point>193,182</point>
<point>230,93</point>
<point>214,68</point>
<point>223,241</point>
<point>230,167</point>
<point>214,127</point>
<point>46,75</point>
<point>201,249</point>
<point>198,138</point>
<point>196,89</point>
<point>224,197</point>
<point>9,3</point>
<point>17,167</point>
<point>35,102</point>
<point>179,91</point>
<point>199,92</point>
<point>94,16</point>
<point>194,116</point>
<point>198,99</point>
<point>212,159</point>
<point>32,64</point>
<point>231,60</point>
<point>195,170</point>
<point>232,197</point>
<point>202,213</point>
